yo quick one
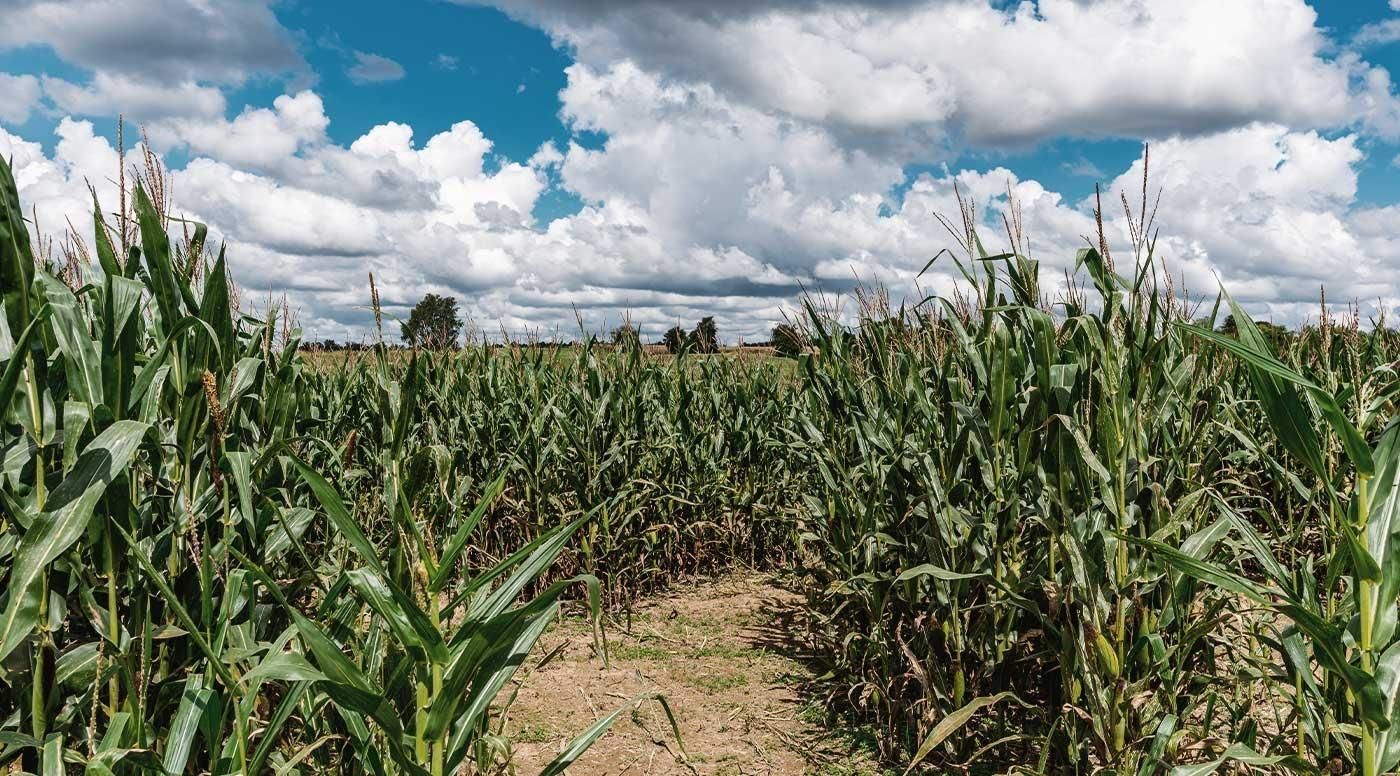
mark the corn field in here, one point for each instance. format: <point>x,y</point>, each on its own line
<point>186,590</point>
<point>1104,533</point>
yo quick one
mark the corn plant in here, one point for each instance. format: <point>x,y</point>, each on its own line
<point>182,590</point>
<point>682,462</point>
<point>988,468</point>
<point>1344,625</point>
<point>1074,536</point>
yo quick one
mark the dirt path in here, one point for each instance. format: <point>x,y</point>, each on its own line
<point>723,653</point>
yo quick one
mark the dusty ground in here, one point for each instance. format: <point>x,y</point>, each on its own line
<point>725,655</point>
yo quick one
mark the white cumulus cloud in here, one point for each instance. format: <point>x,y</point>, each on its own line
<point>19,95</point>
<point>925,76</point>
<point>109,95</point>
<point>734,158</point>
<point>158,41</point>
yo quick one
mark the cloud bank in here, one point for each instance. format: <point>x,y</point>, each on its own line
<point>749,155</point>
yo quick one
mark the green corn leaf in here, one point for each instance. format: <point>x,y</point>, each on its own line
<point>1388,680</point>
<point>172,599</point>
<point>84,365</point>
<point>1244,755</point>
<point>407,407</point>
<point>77,665</point>
<point>587,738</point>
<point>287,532</point>
<point>540,559</point>
<point>954,722</point>
<point>52,757</point>
<point>13,742</point>
<point>1253,347</point>
<point>445,566</point>
<point>1329,648</point>
<point>1203,570</point>
<point>339,516</point>
<point>9,379</point>
<point>345,683</point>
<point>106,253</point>
<point>301,754</point>
<point>240,466</point>
<point>148,372</point>
<point>272,735</point>
<point>1383,519</point>
<point>283,667</point>
<point>120,338</point>
<point>1257,359</point>
<point>1153,760</point>
<point>16,256</point>
<point>1352,442</point>
<point>410,625</point>
<point>936,572</point>
<point>491,655</point>
<point>484,664</point>
<point>1086,451</point>
<point>1258,548</point>
<point>214,310</point>
<point>180,738</point>
<point>1200,544</point>
<point>155,246</point>
<point>65,519</point>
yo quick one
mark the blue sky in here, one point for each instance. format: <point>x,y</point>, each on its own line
<point>663,161</point>
<point>491,57</point>
<point>494,55</point>
<point>465,61</point>
<point>458,61</point>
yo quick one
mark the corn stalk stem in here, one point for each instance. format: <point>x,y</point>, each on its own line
<point>110,553</point>
<point>440,743</point>
<point>1368,596</point>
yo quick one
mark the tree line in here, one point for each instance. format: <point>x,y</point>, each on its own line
<point>435,324</point>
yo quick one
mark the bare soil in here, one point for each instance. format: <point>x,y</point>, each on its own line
<point>725,654</point>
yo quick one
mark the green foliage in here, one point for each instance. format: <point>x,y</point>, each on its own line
<point>626,336</point>
<point>1080,539</point>
<point>787,340</point>
<point>181,591</point>
<point>1009,502</point>
<point>433,324</point>
<point>675,339</point>
<point>705,338</point>
<point>1342,654</point>
<point>677,457</point>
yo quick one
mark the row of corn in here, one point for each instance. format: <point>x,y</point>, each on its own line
<point>1106,534</point>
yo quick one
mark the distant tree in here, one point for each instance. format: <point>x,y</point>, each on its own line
<point>626,336</point>
<point>674,339</point>
<point>433,324</point>
<point>331,345</point>
<point>706,336</point>
<point>1277,336</point>
<point>787,340</point>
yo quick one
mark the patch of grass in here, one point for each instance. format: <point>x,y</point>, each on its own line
<point>855,767</point>
<point>857,742</point>
<point>639,652</point>
<point>532,734</point>
<point>714,682</point>
<point>812,713</point>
